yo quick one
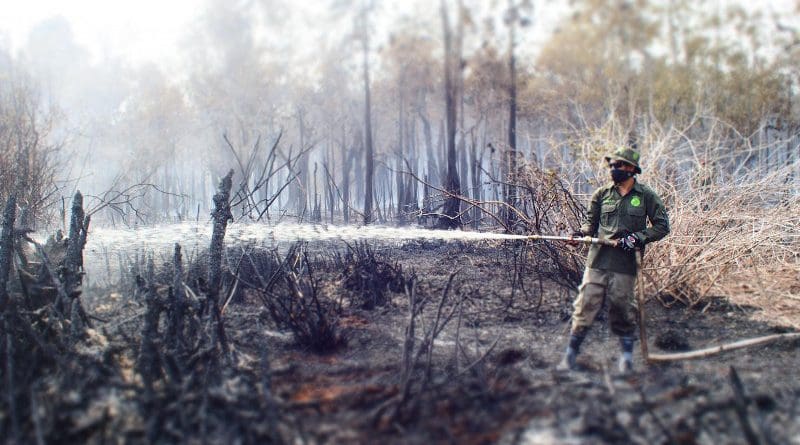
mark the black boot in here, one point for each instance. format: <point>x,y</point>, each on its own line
<point>626,359</point>
<point>568,363</point>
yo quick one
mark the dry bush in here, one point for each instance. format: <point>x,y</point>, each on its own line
<point>291,290</point>
<point>544,205</point>
<point>735,219</point>
<point>289,286</point>
<point>549,207</point>
<point>546,202</point>
<point>183,367</point>
<point>367,277</point>
<point>48,341</point>
<point>738,240</point>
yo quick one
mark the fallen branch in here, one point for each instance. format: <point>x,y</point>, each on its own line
<point>721,348</point>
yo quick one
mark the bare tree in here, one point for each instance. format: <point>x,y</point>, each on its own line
<point>221,215</point>
<point>452,74</point>
<point>28,158</point>
<point>369,153</point>
<point>514,17</point>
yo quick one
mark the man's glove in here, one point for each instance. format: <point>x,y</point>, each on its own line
<point>629,242</point>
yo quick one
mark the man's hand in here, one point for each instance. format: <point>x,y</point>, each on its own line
<point>629,242</point>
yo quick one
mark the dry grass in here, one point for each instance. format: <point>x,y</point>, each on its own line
<point>735,217</point>
<point>738,240</point>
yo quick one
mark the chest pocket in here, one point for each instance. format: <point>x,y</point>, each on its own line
<point>608,214</point>
<point>637,218</point>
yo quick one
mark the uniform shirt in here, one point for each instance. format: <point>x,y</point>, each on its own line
<point>610,214</point>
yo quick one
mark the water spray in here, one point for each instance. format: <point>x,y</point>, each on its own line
<point>193,234</point>
<point>187,233</point>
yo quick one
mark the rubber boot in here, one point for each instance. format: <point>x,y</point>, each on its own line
<point>568,363</point>
<point>626,359</point>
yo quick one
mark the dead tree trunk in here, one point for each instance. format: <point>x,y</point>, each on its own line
<point>78,228</point>
<point>316,212</point>
<point>441,153</point>
<point>148,363</point>
<point>330,183</point>
<point>7,249</point>
<point>463,165</point>
<point>303,182</point>
<point>475,170</point>
<point>221,215</point>
<point>369,155</point>
<point>450,214</point>
<point>177,305</point>
<point>511,162</point>
<point>72,272</point>
<point>400,149</point>
<point>432,169</point>
<point>412,185</point>
<point>347,159</point>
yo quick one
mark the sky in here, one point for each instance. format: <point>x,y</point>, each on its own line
<point>137,31</point>
<point>144,31</point>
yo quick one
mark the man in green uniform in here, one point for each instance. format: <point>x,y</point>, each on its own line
<point>620,211</point>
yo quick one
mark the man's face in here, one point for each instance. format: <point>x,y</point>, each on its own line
<point>621,165</point>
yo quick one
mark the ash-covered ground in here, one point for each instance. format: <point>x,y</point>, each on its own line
<point>472,363</point>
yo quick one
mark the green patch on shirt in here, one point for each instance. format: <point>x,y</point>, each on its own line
<point>635,201</point>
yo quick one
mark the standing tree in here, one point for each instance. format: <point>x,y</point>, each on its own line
<point>369,153</point>
<point>28,160</point>
<point>409,61</point>
<point>514,17</point>
<point>452,73</point>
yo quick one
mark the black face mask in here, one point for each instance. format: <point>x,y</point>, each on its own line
<point>618,175</point>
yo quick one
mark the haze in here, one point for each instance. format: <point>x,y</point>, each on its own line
<point>173,94</point>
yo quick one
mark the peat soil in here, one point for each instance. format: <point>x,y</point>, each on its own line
<point>490,375</point>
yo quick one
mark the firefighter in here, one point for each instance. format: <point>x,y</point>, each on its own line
<point>619,210</point>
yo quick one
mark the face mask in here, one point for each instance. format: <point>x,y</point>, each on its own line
<point>618,175</point>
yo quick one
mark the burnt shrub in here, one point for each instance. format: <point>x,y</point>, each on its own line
<point>368,278</point>
<point>292,295</point>
<point>289,286</point>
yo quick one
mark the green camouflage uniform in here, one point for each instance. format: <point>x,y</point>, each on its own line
<point>611,271</point>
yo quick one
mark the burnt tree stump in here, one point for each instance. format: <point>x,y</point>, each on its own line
<point>71,271</point>
<point>221,215</point>
<point>177,304</point>
<point>6,249</point>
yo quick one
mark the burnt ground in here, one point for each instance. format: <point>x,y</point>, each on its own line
<point>501,386</point>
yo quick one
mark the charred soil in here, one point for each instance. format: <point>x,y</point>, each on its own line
<point>445,343</point>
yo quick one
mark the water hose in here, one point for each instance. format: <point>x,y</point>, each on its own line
<point>583,240</point>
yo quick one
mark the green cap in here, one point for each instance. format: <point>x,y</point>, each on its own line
<point>626,154</point>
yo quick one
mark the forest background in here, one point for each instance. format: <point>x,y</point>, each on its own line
<point>386,117</point>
